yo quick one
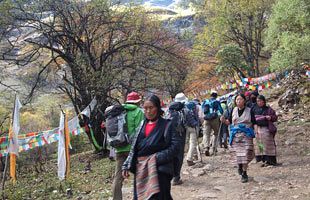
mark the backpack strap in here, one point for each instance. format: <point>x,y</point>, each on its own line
<point>167,125</point>
<point>183,113</point>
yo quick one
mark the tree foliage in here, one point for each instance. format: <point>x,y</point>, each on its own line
<point>92,49</point>
<point>202,77</point>
<point>238,22</point>
<point>231,62</point>
<point>288,33</point>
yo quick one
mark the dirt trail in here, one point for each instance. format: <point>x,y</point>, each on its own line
<point>218,179</point>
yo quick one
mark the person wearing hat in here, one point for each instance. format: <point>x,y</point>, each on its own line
<point>188,125</point>
<point>180,97</point>
<point>134,117</point>
<point>247,95</point>
<point>252,101</point>
<point>193,133</point>
<point>212,110</point>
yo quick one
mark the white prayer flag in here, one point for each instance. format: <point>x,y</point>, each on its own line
<point>61,161</point>
<point>13,146</point>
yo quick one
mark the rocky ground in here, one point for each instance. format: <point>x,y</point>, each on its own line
<point>216,177</point>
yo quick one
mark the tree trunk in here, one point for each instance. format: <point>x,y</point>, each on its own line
<point>257,67</point>
<point>98,134</point>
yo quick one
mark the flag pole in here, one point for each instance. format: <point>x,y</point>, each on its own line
<point>7,155</point>
<point>67,142</point>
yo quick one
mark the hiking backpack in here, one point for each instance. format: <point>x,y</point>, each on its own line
<point>192,107</point>
<point>116,127</point>
<point>209,109</point>
<point>177,116</point>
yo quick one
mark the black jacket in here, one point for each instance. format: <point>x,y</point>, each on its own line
<point>163,140</point>
<point>189,116</point>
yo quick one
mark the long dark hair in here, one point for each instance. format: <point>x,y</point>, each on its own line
<point>261,97</point>
<point>241,95</point>
<point>156,101</point>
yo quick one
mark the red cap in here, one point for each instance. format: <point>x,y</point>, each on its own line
<point>133,97</point>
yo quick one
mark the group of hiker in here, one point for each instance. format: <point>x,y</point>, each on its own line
<point>150,140</point>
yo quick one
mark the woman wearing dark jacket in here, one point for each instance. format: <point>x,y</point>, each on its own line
<point>265,146</point>
<point>152,154</point>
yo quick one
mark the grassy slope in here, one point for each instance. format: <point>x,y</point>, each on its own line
<point>84,184</point>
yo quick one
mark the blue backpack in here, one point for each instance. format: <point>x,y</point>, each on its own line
<point>191,105</point>
<point>210,110</point>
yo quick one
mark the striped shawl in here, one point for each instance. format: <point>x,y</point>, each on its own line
<point>147,177</point>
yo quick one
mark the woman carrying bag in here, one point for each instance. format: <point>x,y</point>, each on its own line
<point>265,145</point>
<point>151,158</point>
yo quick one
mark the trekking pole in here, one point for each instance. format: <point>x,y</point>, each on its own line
<point>198,147</point>
<point>215,145</point>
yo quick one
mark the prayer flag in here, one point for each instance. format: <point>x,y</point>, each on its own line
<point>13,136</point>
<point>13,139</point>
<point>63,148</point>
<point>67,143</point>
<point>61,161</point>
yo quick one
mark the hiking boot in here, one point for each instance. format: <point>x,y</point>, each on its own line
<point>190,163</point>
<point>207,153</point>
<point>244,177</point>
<point>177,182</point>
<point>240,170</point>
<point>225,146</point>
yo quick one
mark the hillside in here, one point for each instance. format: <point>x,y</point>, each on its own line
<point>215,178</point>
<point>21,78</point>
<point>57,56</point>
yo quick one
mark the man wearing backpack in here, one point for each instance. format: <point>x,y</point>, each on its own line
<point>181,118</point>
<point>212,110</point>
<point>134,116</point>
<point>223,137</point>
<point>193,133</point>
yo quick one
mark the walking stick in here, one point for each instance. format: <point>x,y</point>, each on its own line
<point>215,145</point>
